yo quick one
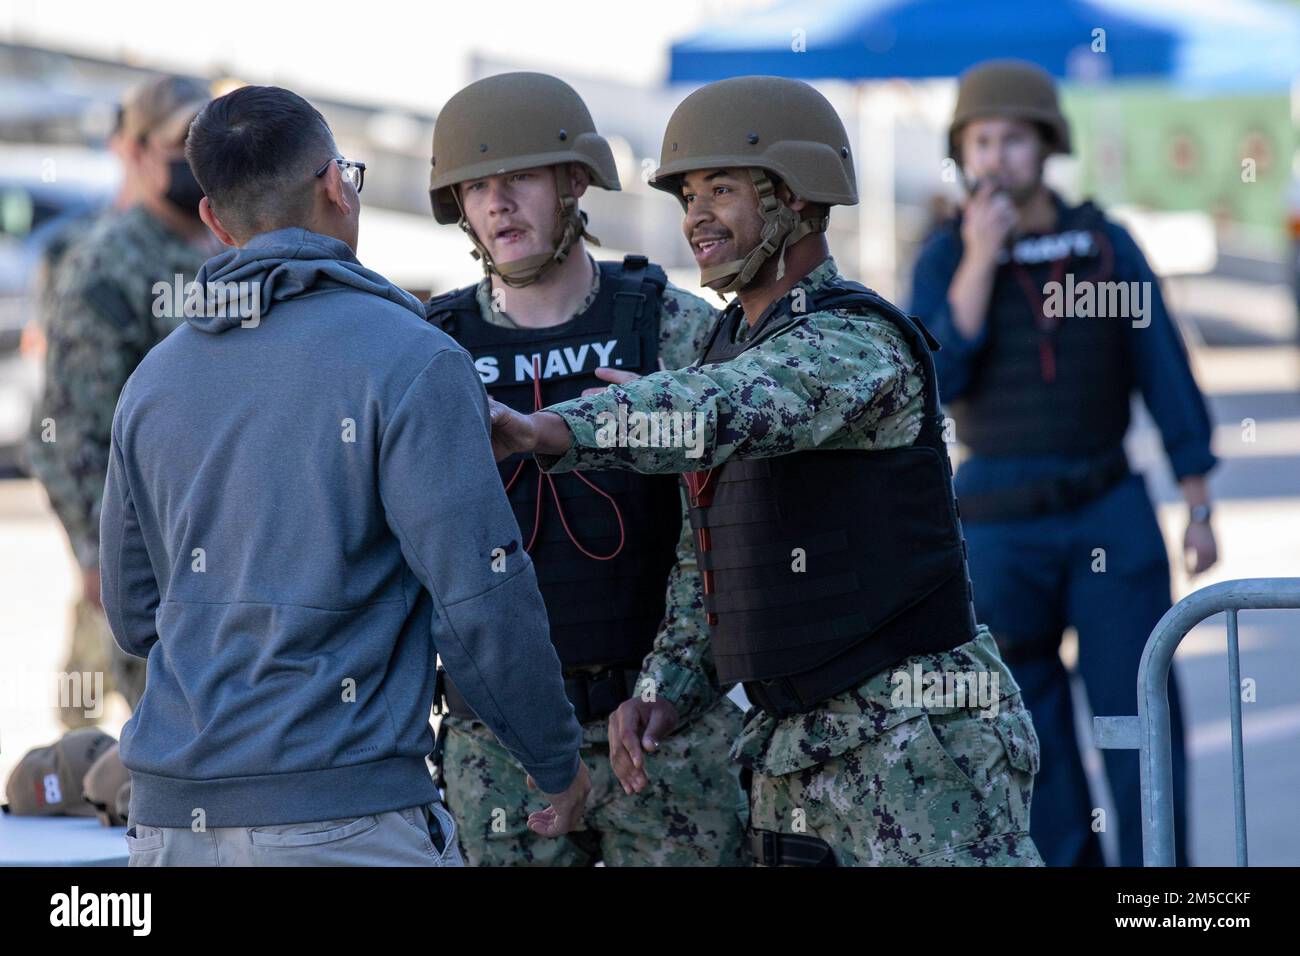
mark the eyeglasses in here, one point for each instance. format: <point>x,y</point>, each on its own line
<point>353,170</point>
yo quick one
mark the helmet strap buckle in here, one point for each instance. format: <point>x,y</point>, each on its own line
<point>571,226</point>
<point>782,227</point>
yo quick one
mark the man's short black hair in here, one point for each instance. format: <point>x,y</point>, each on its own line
<point>254,151</point>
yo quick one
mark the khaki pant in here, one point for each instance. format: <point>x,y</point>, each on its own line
<point>94,651</point>
<point>408,837</point>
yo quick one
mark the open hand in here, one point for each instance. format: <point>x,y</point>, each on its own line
<point>566,809</point>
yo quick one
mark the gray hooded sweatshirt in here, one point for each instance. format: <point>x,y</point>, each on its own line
<point>301,510</point>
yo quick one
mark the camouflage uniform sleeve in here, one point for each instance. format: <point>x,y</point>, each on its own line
<point>829,382</point>
<point>93,344</point>
<point>684,327</point>
<point>679,668</point>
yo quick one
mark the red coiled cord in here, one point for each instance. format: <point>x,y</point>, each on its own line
<point>537,511</point>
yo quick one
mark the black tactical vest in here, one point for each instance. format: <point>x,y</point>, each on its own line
<point>1063,392</point>
<point>602,612</point>
<point>824,567</point>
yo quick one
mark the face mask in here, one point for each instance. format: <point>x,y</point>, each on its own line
<point>183,190</point>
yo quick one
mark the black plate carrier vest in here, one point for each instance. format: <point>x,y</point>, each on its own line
<point>823,568</point>
<point>602,612</point>
<point>1010,407</point>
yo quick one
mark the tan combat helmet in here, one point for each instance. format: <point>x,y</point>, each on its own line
<point>509,122</point>
<point>768,124</point>
<point>1011,88</point>
<point>164,105</point>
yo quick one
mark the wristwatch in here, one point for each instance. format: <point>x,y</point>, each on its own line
<point>1200,514</point>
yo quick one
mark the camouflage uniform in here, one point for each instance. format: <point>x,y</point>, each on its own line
<point>90,634</point>
<point>100,323</point>
<point>694,812</point>
<point>881,784</point>
<point>52,255</point>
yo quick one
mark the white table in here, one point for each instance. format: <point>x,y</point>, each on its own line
<point>60,841</point>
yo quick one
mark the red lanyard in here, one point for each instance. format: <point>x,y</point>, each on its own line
<point>1048,326</point>
<point>550,480</point>
<point>697,484</point>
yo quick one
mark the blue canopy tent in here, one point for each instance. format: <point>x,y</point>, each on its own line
<point>1196,46</point>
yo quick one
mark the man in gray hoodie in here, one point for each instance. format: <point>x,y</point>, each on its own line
<point>301,510</point>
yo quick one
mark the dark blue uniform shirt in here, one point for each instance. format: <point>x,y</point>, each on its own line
<point>1159,361</point>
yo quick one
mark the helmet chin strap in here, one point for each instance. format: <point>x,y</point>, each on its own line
<point>570,227</point>
<point>782,227</point>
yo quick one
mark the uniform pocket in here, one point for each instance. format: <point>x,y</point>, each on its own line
<point>816,737</point>
<point>1016,730</point>
<point>311,834</point>
<point>953,745</point>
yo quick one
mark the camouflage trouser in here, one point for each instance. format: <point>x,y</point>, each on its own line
<point>94,651</point>
<point>691,814</point>
<point>939,789</point>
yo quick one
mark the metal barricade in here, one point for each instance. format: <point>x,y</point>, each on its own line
<point>1148,732</point>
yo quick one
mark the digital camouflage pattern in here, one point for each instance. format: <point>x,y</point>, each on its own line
<point>836,380</point>
<point>679,668</point>
<point>796,390</point>
<point>99,325</point>
<point>903,785</point>
<point>56,247</point>
<point>692,813</point>
<point>881,785</point>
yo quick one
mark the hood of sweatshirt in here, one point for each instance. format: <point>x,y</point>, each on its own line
<point>247,282</point>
